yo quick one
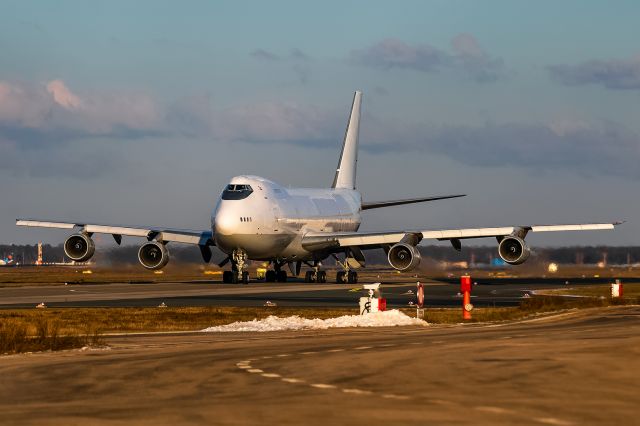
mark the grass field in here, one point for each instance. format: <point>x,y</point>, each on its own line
<point>23,330</point>
<point>630,291</point>
<point>59,275</point>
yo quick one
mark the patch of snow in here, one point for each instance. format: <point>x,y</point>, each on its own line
<point>390,318</point>
<point>95,348</point>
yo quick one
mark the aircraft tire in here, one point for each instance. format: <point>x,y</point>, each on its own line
<point>226,277</point>
<point>270,276</point>
<point>245,277</point>
<point>281,276</point>
<point>352,277</point>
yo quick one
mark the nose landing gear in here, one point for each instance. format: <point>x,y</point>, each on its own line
<point>237,274</point>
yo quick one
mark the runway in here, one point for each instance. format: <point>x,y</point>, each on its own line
<point>207,293</point>
<point>575,368</point>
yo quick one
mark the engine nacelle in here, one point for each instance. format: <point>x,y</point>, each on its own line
<point>153,255</point>
<point>79,247</point>
<point>513,250</point>
<point>404,257</point>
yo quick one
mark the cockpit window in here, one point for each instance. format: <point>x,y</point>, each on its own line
<point>236,192</point>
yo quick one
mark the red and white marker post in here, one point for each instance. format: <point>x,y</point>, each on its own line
<point>465,289</point>
<point>617,289</point>
<point>420,300</point>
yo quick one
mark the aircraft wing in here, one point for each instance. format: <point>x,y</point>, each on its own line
<point>201,238</point>
<point>364,240</point>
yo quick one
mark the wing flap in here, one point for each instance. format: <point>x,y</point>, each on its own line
<point>585,227</point>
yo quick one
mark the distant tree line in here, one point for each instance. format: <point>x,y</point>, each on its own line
<point>473,255</point>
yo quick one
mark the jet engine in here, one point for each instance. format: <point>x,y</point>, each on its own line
<point>79,247</point>
<point>513,250</point>
<point>404,257</point>
<point>153,255</point>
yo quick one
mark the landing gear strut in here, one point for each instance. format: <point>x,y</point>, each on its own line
<point>237,274</point>
<point>347,275</point>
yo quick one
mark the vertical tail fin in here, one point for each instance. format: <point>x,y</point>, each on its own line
<point>346,171</point>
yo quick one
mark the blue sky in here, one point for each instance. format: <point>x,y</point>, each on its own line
<point>139,112</point>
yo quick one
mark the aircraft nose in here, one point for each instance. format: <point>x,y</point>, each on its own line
<point>225,221</point>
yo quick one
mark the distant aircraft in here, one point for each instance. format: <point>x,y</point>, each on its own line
<point>7,261</point>
<point>257,219</point>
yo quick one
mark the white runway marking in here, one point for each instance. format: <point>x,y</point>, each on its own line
<point>361,348</point>
<point>496,410</point>
<point>274,375</point>
<point>292,380</point>
<point>393,396</point>
<point>255,370</point>
<point>357,391</point>
<point>552,421</point>
<point>323,386</point>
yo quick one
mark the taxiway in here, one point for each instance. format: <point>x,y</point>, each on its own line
<point>574,368</point>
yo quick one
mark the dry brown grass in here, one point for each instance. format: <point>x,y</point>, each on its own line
<point>60,328</point>
<point>59,275</point>
<point>39,333</point>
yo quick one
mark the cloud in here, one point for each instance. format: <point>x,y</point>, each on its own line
<point>298,60</point>
<point>601,148</point>
<point>298,55</point>
<point>467,56</point>
<point>278,122</point>
<point>53,109</point>
<point>62,95</point>
<point>614,74</point>
<point>45,129</point>
<point>394,53</point>
<point>586,148</point>
<point>265,55</point>
<point>475,61</point>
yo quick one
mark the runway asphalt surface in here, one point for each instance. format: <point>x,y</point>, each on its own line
<point>570,369</point>
<point>206,293</point>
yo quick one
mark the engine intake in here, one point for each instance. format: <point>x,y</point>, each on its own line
<point>513,250</point>
<point>79,247</point>
<point>153,255</point>
<point>404,257</point>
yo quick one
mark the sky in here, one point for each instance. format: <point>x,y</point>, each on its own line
<point>140,112</point>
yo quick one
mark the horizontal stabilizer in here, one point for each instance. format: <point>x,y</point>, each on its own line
<point>379,204</point>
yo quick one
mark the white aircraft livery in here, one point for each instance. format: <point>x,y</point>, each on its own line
<point>257,219</point>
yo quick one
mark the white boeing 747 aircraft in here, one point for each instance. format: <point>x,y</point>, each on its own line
<point>257,219</point>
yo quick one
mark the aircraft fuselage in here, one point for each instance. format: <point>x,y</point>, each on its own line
<point>268,221</point>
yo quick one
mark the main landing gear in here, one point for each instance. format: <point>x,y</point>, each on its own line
<point>343,277</point>
<point>316,275</point>
<point>237,274</point>
<point>347,275</point>
<point>276,274</point>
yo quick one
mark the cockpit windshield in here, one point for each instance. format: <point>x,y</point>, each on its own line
<point>236,192</point>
